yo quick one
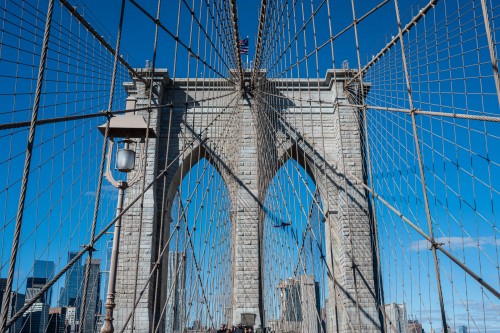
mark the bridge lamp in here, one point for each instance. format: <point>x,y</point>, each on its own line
<point>132,130</point>
<point>129,132</point>
<point>125,156</point>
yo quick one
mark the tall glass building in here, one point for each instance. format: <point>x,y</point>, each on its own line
<point>93,306</point>
<point>44,269</point>
<point>72,284</point>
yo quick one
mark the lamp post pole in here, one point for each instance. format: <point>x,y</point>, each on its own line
<point>127,127</point>
<point>125,160</point>
<point>107,326</point>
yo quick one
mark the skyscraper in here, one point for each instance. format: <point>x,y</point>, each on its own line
<point>93,291</point>
<point>290,300</point>
<point>176,298</point>
<point>309,301</point>
<point>35,319</point>
<point>71,320</point>
<point>57,318</point>
<point>300,308</point>
<point>291,311</point>
<point>105,274</point>
<point>72,283</point>
<point>396,318</point>
<point>44,269</point>
<point>3,284</point>
<point>16,303</point>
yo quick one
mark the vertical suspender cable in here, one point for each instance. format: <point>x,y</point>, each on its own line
<point>258,50</point>
<point>491,47</point>
<point>26,170</point>
<point>422,172</point>
<point>366,144</point>
<point>101,173</point>
<point>146,146</point>
<point>234,17</point>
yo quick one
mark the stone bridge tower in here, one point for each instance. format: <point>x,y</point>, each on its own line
<point>192,124</point>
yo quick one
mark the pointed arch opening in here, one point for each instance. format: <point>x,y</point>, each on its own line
<point>198,284</point>
<point>294,248</point>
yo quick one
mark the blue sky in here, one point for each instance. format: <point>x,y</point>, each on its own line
<point>449,67</point>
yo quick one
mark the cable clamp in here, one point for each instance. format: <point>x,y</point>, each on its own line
<point>89,248</point>
<point>435,245</point>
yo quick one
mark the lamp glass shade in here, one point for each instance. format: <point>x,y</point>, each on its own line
<point>125,160</point>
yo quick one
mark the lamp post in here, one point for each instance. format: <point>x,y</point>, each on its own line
<point>132,129</point>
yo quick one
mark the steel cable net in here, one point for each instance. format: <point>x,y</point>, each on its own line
<point>199,288</point>
<point>63,73</point>
<point>342,181</point>
<point>426,109</point>
<point>60,194</point>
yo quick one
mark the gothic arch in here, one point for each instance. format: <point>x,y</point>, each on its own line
<point>295,152</point>
<point>193,157</point>
<point>315,171</point>
<point>174,179</point>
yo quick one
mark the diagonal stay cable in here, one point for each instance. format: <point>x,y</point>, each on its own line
<point>236,34</point>
<point>177,39</point>
<point>21,124</point>
<point>328,41</point>
<point>74,12</point>
<point>437,245</point>
<point>258,50</point>
<point>86,248</point>
<point>191,11</point>
<point>395,39</point>
<point>27,163</point>
<point>157,266</point>
<point>90,245</point>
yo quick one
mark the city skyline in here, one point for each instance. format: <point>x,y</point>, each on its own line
<point>51,311</point>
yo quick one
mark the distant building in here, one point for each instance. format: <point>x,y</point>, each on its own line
<point>44,269</point>
<point>198,328</point>
<point>71,320</point>
<point>3,285</point>
<point>16,303</point>
<point>329,316</point>
<point>414,326</point>
<point>57,320</point>
<point>105,274</point>
<point>310,297</point>
<point>291,311</point>
<point>396,320</point>
<point>93,303</point>
<point>72,284</point>
<point>176,298</point>
<point>300,310</point>
<point>35,319</point>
